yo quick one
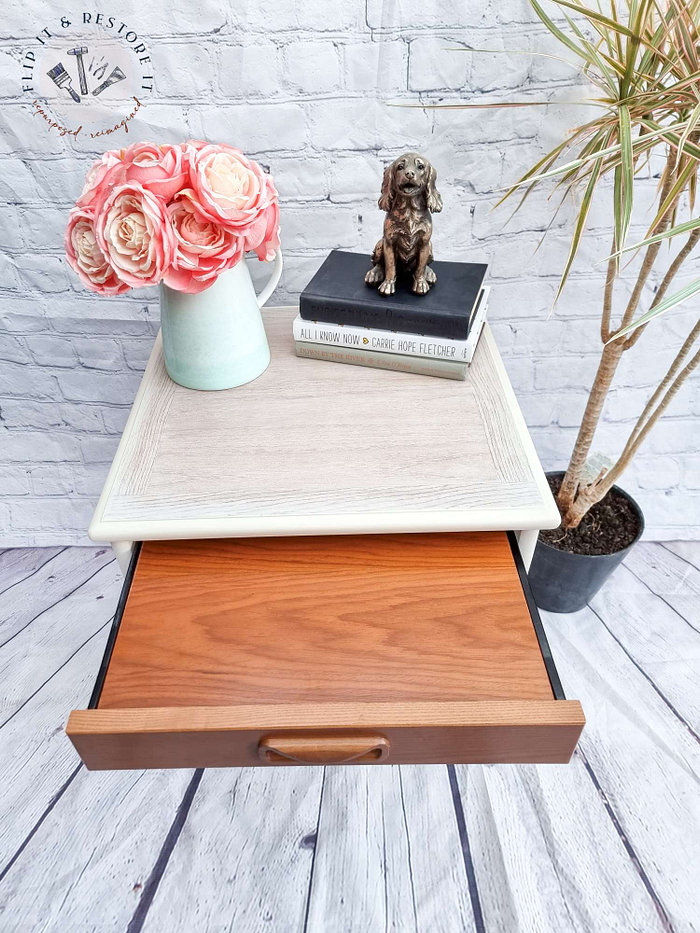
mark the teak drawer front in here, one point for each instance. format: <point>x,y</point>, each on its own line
<point>377,649</point>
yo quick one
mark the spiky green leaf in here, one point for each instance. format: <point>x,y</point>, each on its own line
<point>580,225</point>
<point>685,227</point>
<point>663,306</point>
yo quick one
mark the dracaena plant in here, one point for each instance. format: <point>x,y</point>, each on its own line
<point>641,57</point>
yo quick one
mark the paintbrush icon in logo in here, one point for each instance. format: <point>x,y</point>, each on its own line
<point>62,79</point>
<point>116,75</point>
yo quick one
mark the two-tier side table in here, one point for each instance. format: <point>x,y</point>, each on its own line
<point>327,565</point>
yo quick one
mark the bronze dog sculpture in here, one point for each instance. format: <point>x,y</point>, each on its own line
<point>409,197</point>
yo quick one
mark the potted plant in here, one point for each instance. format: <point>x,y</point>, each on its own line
<point>183,217</point>
<point>643,60</point>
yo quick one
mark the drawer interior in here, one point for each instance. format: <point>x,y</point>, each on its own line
<point>294,631</point>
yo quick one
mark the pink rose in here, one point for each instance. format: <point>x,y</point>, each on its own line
<point>203,249</point>
<point>134,232</point>
<point>231,190</point>
<point>86,257</point>
<point>100,178</point>
<point>162,170</point>
<point>270,242</point>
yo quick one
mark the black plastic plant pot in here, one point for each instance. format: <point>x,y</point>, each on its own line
<point>563,582</point>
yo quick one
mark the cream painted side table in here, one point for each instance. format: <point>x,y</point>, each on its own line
<point>321,567</point>
<point>314,448</point>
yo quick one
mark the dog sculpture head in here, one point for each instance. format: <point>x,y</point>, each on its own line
<point>410,176</point>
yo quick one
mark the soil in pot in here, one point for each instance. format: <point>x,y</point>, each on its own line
<point>611,525</point>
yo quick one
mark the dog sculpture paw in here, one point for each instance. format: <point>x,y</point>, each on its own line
<point>420,285</point>
<point>374,276</point>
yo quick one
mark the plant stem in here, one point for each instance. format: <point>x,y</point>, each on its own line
<point>624,461</point>
<point>656,395</point>
<point>610,358</point>
<point>594,407</point>
<point>596,491</point>
<point>608,296</point>
<point>653,249</point>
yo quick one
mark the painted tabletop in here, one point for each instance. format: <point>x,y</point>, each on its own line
<point>314,447</point>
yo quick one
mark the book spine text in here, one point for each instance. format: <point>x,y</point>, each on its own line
<point>444,369</point>
<point>382,341</point>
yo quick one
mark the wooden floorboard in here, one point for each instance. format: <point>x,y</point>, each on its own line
<point>640,750</point>
<point>546,856</point>
<point>48,586</point>
<point>388,853</point>
<point>250,830</point>
<point>17,564</point>
<point>38,650</point>
<point>607,844</point>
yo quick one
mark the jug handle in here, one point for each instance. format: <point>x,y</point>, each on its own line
<point>274,279</point>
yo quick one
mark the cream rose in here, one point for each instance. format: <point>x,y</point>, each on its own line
<point>86,257</point>
<point>230,189</point>
<point>134,232</point>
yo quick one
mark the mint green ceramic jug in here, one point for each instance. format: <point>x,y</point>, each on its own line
<point>216,338</point>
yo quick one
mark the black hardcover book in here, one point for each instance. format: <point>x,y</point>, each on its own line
<point>337,294</point>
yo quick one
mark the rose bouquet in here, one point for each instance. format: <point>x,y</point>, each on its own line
<point>180,214</point>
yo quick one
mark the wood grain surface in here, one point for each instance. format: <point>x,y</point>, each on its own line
<point>483,732</point>
<point>313,438</point>
<point>388,618</point>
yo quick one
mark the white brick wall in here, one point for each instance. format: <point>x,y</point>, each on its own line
<point>302,87</point>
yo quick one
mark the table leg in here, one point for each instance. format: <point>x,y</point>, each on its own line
<point>122,551</point>
<point>526,542</point>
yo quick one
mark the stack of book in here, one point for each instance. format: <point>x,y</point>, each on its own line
<point>342,320</point>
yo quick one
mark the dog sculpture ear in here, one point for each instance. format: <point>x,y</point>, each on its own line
<point>434,199</point>
<point>386,198</point>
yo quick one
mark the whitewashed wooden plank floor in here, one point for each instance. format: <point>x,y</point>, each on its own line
<point>608,844</point>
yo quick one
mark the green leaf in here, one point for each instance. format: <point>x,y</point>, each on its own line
<point>618,41</point>
<point>617,205</point>
<point>667,132</point>
<point>503,104</point>
<point>693,119</point>
<point>556,31</point>
<point>685,227</point>
<point>682,29</point>
<point>580,225</point>
<point>600,61</point>
<point>689,170</point>
<point>598,58</point>
<point>630,53</point>
<point>627,172</point>
<point>607,38</point>
<point>639,145</point>
<point>556,58</point>
<point>662,307</point>
<point>594,17</point>
<point>547,160</point>
<point>692,189</point>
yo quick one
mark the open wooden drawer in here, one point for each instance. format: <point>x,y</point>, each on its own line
<point>396,649</point>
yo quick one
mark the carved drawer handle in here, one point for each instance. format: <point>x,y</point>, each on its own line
<point>323,749</point>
